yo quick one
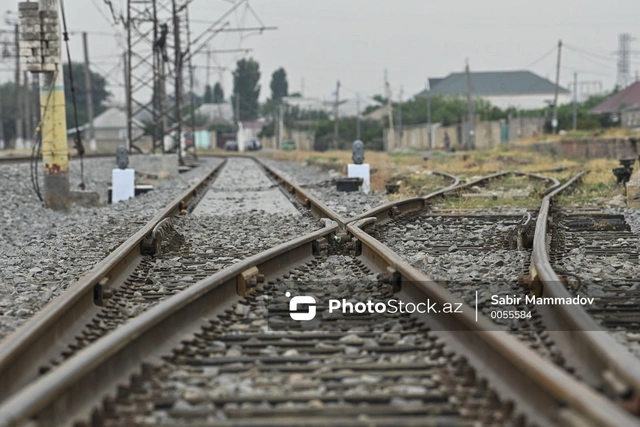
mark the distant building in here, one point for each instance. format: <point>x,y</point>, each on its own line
<point>216,113</point>
<point>110,125</point>
<point>624,105</point>
<point>523,90</point>
<point>630,116</point>
<point>349,107</point>
<point>308,104</point>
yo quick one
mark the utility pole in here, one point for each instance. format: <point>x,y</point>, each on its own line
<point>400,116</point>
<point>55,149</point>
<point>207,84</point>
<point>237,108</point>
<point>2,144</point>
<point>89,90</point>
<point>336,116</point>
<point>624,60</point>
<point>280,124</point>
<point>178,79</point>
<point>19,141</point>
<point>471,142</point>
<point>554,122</point>
<point>429,113</point>
<point>391,135</point>
<point>358,116</point>
<point>575,101</point>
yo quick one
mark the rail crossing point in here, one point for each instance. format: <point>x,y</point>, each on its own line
<point>361,171</point>
<point>123,184</point>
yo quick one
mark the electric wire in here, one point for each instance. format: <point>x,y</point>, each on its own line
<point>36,143</point>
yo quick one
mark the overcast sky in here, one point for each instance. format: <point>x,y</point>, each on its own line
<point>354,41</point>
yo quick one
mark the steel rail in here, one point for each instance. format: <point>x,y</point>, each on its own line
<point>597,357</point>
<point>541,390</point>
<point>318,209</point>
<point>47,333</point>
<point>70,391</point>
<point>390,210</point>
<point>546,394</point>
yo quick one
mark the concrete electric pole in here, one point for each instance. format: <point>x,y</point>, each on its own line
<point>40,51</point>
<point>391,135</point>
<point>429,114</point>
<point>400,116</point>
<point>554,122</point>
<point>358,116</point>
<point>575,101</point>
<point>89,90</point>
<point>336,116</point>
<point>471,133</point>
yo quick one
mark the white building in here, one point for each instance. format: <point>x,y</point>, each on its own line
<point>522,90</point>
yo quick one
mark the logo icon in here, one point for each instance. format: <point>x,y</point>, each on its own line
<point>300,300</point>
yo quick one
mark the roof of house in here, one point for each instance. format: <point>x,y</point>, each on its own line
<point>216,112</point>
<point>625,98</point>
<point>493,83</point>
<point>349,107</point>
<point>111,118</point>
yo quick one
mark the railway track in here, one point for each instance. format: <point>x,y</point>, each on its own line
<point>597,339</point>
<point>185,349</point>
<point>480,255</point>
<point>167,255</point>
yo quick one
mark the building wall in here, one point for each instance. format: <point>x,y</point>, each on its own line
<point>526,102</point>
<point>593,148</point>
<point>525,127</point>
<point>630,118</point>
<point>417,137</point>
<point>304,139</point>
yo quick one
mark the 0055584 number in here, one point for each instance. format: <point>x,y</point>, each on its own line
<point>510,314</point>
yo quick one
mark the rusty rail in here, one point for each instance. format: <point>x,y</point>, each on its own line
<point>45,335</point>
<point>392,209</point>
<point>594,353</point>
<point>317,208</point>
<point>541,390</point>
<point>70,391</point>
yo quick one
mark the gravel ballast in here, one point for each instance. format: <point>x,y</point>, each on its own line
<point>319,184</point>
<point>42,252</point>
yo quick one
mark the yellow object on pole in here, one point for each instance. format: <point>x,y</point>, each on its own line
<point>55,148</point>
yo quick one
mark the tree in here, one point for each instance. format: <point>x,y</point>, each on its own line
<point>208,95</point>
<point>246,86</point>
<point>279,84</point>
<point>218,94</point>
<point>99,92</point>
